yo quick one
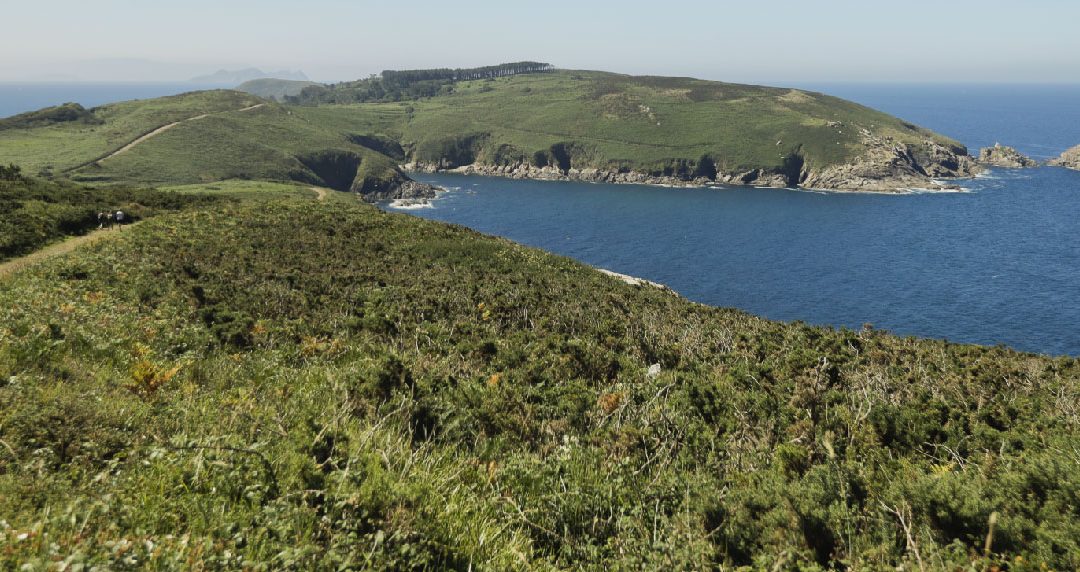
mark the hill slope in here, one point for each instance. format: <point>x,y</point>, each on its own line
<point>383,392</point>
<point>201,137</point>
<point>595,125</point>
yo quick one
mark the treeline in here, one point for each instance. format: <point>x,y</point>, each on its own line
<point>407,77</point>
<point>407,85</point>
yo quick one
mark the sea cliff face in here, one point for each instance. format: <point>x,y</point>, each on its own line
<point>1007,157</point>
<point>886,166</point>
<point>891,166</point>
<point>1069,159</point>
<point>550,173</point>
<point>397,189</point>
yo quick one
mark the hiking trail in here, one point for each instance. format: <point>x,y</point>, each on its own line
<point>56,249</point>
<point>167,127</point>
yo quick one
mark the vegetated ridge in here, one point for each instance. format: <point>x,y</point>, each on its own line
<point>299,384</point>
<point>545,123</point>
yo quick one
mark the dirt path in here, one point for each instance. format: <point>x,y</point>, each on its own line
<point>320,193</point>
<point>165,128</point>
<point>63,247</point>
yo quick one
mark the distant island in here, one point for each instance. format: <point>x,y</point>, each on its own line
<point>276,89</point>
<point>237,77</point>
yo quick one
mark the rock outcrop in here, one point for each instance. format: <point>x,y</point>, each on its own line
<point>1069,159</point>
<point>890,166</point>
<point>1007,157</point>
<point>403,188</point>
<point>756,177</point>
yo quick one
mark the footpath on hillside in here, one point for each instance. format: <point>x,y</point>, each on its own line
<point>165,128</point>
<point>67,245</point>
<point>56,249</point>
<point>144,138</point>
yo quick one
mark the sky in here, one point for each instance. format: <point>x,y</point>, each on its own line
<point>764,41</point>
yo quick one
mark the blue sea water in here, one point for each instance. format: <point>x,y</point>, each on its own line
<point>999,264</point>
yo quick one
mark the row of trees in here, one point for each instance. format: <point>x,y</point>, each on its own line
<point>401,78</point>
<point>410,85</point>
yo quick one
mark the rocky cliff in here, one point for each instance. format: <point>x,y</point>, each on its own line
<point>1002,156</point>
<point>886,166</point>
<point>396,189</point>
<point>1070,159</point>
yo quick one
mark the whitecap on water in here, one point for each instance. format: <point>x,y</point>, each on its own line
<point>411,204</point>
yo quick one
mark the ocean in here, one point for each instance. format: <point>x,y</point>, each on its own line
<point>995,265</point>
<point>999,264</point>
<point>20,97</point>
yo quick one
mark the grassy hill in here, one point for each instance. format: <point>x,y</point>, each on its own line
<point>58,147</point>
<point>588,125</point>
<point>655,125</point>
<point>218,135</point>
<point>286,384</point>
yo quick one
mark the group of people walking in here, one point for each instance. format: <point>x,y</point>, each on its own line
<point>108,219</point>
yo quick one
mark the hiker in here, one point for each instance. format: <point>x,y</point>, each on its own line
<point>119,217</point>
<point>102,218</point>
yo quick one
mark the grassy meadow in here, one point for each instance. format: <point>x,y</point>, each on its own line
<point>215,390</point>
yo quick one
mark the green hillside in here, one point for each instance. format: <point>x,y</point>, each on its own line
<point>298,385</point>
<point>547,124</point>
<point>197,138</point>
<point>270,143</point>
<point>660,126</point>
<point>57,147</point>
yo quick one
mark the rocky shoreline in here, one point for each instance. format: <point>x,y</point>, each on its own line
<point>402,189</point>
<point>887,166</point>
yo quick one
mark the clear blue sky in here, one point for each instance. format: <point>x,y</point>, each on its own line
<point>769,41</point>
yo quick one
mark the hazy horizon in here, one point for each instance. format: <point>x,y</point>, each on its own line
<point>839,41</point>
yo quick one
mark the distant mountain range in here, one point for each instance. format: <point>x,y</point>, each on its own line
<point>236,77</point>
